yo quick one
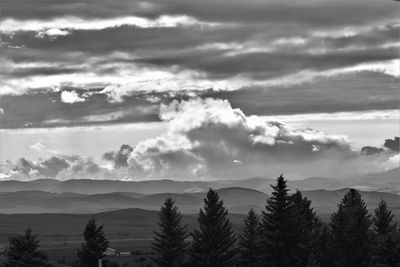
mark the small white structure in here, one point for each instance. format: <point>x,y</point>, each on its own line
<point>110,252</point>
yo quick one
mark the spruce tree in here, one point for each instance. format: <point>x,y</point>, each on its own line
<point>321,255</point>
<point>213,243</point>
<point>386,250</point>
<point>308,225</point>
<point>24,251</point>
<point>249,241</point>
<point>350,232</point>
<point>283,241</point>
<point>94,246</point>
<point>169,242</point>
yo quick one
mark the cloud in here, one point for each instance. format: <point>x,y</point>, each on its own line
<point>390,146</point>
<point>58,167</point>
<point>250,46</point>
<point>370,150</point>
<point>393,144</point>
<point>64,26</point>
<point>71,97</point>
<point>207,138</point>
<point>48,168</point>
<point>373,96</point>
<point>41,148</point>
<point>119,158</point>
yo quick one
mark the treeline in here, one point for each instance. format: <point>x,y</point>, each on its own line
<point>288,233</point>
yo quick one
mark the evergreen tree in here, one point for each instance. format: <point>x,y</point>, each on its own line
<point>169,242</point>
<point>308,225</point>
<point>284,243</point>
<point>24,251</point>
<point>249,241</point>
<point>350,232</point>
<point>321,255</point>
<point>386,252</point>
<point>94,247</point>
<point>213,243</point>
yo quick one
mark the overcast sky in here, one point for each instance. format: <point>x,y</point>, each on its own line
<point>198,89</point>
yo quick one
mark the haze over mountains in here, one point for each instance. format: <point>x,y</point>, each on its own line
<point>388,181</point>
<point>91,196</point>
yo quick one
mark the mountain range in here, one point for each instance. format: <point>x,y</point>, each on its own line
<point>388,181</point>
<point>237,200</point>
<point>91,196</point>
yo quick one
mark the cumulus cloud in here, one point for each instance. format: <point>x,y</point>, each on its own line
<point>71,97</point>
<point>208,138</point>
<point>390,146</point>
<point>58,167</point>
<point>48,168</point>
<point>119,158</point>
<point>393,144</point>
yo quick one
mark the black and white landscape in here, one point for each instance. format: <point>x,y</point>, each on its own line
<point>264,132</point>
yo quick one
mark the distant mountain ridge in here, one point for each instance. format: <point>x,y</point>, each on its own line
<point>381,182</point>
<point>237,200</point>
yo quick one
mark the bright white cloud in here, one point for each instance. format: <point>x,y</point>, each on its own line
<point>208,138</point>
<point>71,97</point>
<point>64,26</point>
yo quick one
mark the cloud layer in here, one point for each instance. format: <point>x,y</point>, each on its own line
<point>86,54</point>
<point>208,139</point>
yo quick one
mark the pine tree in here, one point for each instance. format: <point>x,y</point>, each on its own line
<point>283,241</point>
<point>213,243</point>
<point>94,247</point>
<point>249,241</point>
<point>308,225</point>
<point>386,250</point>
<point>321,255</point>
<point>169,242</point>
<point>24,251</point>
<point>350,232</point>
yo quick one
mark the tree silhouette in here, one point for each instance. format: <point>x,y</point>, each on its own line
<point>169,242</point>
<point>308,226</point>
<point>350,232</point>
<point>23,251</point>
<point>94,246</point>
<point>283,241</point>
<point>213,243</point>
<point>249,241</point>
<point>386,251</point>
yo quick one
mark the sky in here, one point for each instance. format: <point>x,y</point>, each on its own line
<point>198,90</point>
